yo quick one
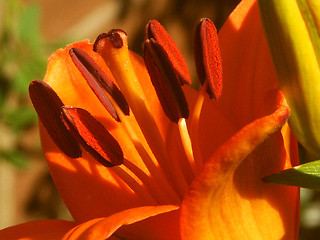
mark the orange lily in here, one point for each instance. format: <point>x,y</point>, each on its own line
<point>161,181</point>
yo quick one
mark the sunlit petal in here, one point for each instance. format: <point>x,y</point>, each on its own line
<point>84,184</point>
<point>228,200</point>
<point>248,71</point>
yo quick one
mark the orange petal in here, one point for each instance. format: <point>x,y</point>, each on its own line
<point>103,228</point>
<point>37,230</point>
<point>214,129</point>
<point>84,184</point>
<point>248,71</point>
<point>160,227</point>
<point>228,200</point>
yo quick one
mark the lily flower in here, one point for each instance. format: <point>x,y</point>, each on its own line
<point>136,153</point>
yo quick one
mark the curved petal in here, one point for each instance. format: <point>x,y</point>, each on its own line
<point>38,230</point>
<point>212,130</point>
<point>228,200</point>
<point>103,228</point>
<point>248,71</point>
<point>84,184</point>
<point>160,227</point>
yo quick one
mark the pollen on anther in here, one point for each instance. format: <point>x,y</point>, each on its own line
<point>99,82</point>
<point>164,80</point>
<point>154,30</point>
<point>93,136</point>
<point>208,58</point>
<point>167,70</point>
<point>48,107</point>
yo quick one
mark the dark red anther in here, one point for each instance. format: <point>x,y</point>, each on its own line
<point>164,80</point>
<point>93,137</point>
<point>98,80</point>
<point>48,107</point>
<point>154,30</point>
<point>167,70</point>
<point>208,58</point>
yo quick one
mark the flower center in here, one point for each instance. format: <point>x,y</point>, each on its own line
<point>168,72</point>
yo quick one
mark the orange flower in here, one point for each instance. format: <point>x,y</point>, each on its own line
<point>177,165</point>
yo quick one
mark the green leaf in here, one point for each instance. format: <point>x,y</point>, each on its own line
<point>306,175</point>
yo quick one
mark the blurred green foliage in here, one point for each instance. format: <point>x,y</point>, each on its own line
<point>23,57</point>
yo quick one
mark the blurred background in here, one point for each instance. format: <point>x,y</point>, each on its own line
<point>29,32</point>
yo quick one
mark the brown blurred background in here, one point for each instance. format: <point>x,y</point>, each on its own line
<point>30,32</point>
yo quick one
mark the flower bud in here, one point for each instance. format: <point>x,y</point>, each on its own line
<point>292,29</point>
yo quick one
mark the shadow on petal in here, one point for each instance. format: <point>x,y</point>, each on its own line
<point>102,228</point>
<point>38,230</point>
<point>88,189</point>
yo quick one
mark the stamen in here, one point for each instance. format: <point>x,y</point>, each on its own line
<point>165,81</point>
<point>194,127</point>
<point>166,194</point>
<point>152,186</point>
<point>154,30</point>
<point>96,79</point>
<point>118,60</point>
<point>132,183</point>
<point>48,107</point>
<point>163,68</point>
<point>106,150</point>
<point>93,136</point>
<point>186,142</point>
<point>167,70</point>
<point>208,58</point>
